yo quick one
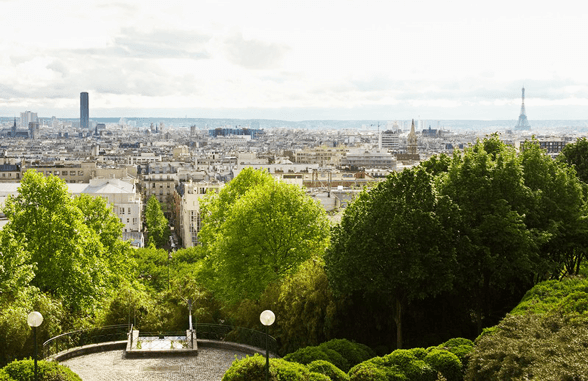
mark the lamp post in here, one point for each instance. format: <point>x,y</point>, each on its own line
<point>267,318</point>
<point>34,320</point>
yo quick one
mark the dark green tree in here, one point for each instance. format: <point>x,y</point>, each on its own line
<point>397,241</point>
<point>496,251</point>
<point>576,155</point>
<point>156,223</point>
<point>557,212</point>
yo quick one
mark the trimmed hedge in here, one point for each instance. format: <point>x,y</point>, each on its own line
<point>328,369</point>
<point>352,352</point>
<point>445,363</point>
<point>342,353</point>
<point>24,370</point>
<point>318,377</point>
<point>4,376</point>
<point>376,369</point>
<point>252,368</point>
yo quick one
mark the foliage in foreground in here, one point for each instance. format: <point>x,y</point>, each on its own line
<point>252,368</point>
<point>342,353</point>
<point>544,339</point>
<point>24,370</point>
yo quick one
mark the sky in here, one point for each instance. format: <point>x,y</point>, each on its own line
<point>295,60</point>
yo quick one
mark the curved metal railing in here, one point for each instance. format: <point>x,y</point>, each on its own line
<point>83,337</point>
<point>219,332</point>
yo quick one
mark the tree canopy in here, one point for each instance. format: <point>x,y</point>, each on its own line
<point>256,231</point>
<point>157,224</point>
<point>68,242</point>
<point>395,240</point>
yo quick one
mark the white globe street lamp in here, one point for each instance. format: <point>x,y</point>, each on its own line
<point>34,320</point>
<point>267,318</point>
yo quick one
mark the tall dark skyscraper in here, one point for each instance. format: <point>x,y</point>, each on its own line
<point>84,110</point>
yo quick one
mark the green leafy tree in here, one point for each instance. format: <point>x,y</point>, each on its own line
<point>496,251</point>
<point>157,224</point>
<point>16,269</point>
<point>261,236</point>
<point>69,257</point>
<point>395,241</point>
<point>576,155</point>
<point>98,216</point>
<point>556,214</point>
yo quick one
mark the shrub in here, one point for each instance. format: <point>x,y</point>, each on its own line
<point>547,347</point>
<point>350,351</point>
<point>252,368</point>
<point>328,369</point>
<point>318,377</point>
<point>456,342</point>
<point>247,369</point>
<point>419,353</point>
<point>460,347</point>
<point>407,363</point>
<point>337,359</point>
<point>307,355</point>
<point>24,370</point>
<point>446,363</point>
<point>373,370</point>
<point>4,376</point>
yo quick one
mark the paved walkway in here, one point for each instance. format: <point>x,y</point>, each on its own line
<point>210,365</point>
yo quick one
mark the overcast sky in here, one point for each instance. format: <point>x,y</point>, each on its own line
<point>295,60</point>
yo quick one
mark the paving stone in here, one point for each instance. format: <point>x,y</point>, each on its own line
<point>210,365</point>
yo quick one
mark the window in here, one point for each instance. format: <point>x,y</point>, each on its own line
<point>56,173</point>
<point>129,210</point>
<point>134,221</point>
<point>80,173</point>
<point>122,210</point>
<point>128,220</point>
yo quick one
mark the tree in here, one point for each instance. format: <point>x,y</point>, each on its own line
<point>70,259</point>
<point>576,155</point>
<point>257,231</point>
<point>157,225</point>
<point>98,216</point>
<point>16,269</point>
<point>496,251</point>
<point>557,212</point>
<point>396,241</point>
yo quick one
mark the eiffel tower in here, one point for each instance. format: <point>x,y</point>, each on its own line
<point>523,123</point>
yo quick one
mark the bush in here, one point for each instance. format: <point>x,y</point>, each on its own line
<point>24,370</point>
<point>318,377</point>
<point>307,355</point>
<point>446,363</point>
<point>252,368</point>
<point>4,376</point>
<point>460,347</point>
<point>419,353</point>
<point>328,369</point>
<point>372,371</point>
<point>456,342</point>
<point>407,363</point>
<point>353,353</point>
<point>547,347</point>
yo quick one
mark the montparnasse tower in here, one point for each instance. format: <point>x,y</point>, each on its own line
<point>523,123</point>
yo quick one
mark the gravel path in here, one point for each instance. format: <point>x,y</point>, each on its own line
<point>210,365</point>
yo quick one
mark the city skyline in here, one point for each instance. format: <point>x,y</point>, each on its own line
<point>303,61</point>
